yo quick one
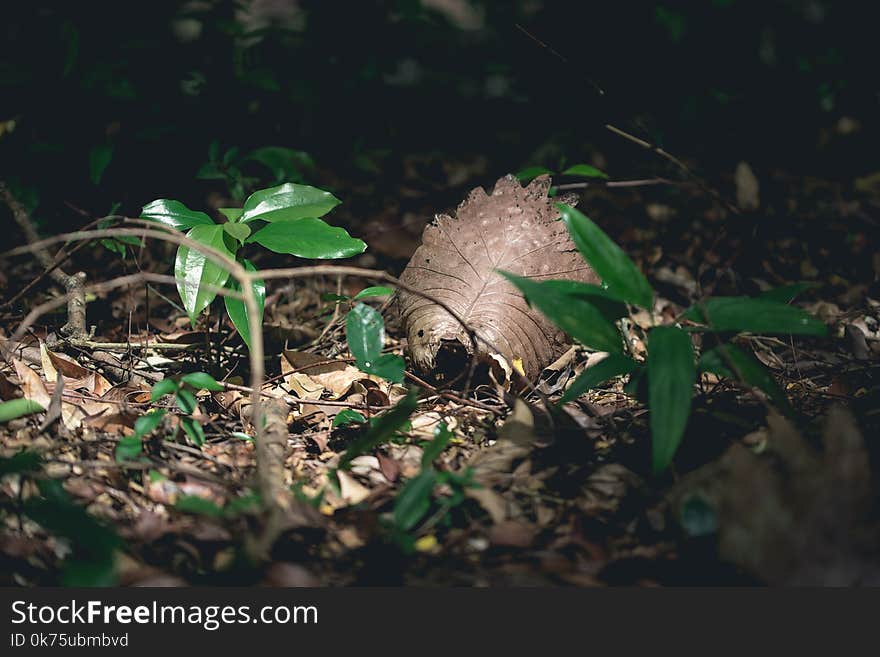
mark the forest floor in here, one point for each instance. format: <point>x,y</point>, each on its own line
<point>751,498</point>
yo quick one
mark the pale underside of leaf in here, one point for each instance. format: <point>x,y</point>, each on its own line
<point>515,229</point>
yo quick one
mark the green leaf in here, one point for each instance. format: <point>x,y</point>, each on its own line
<point>607,368</point>
<point>578,317</point>
<point>194,271</point>
<point>308,238</point>
<point>374,291</point>
<point>282,162</point>
<point>199,505</point>
<point>786,293</point>
<point>23,461</point>
<point>347,416</point>
<point>237,310</point>
<point>531,172</point>
<point>328,296</point>
<point>365,333</point>
<point>671,376</point>
<point>761,316</point>
<point>99,159</point>
<point>186,401</point>
<point>128,448</point>
<point>382,428</point>
<point>608,304</point>
<point>619,274</point>
<point>231,214</point>
<point>202,381</point>
<point>288,202</point>
<point>163,387</point>
<point>414,500</point>
<point>15,408</point>
<point>146,424</point>
<point>175,214</point>
<point>193,430</point>
<point>585,171</point>
<point>753,372</point>
<point>442,436</point>
<point>239,232</point>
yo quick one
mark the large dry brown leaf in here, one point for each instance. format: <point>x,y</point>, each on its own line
<point>515,229</point>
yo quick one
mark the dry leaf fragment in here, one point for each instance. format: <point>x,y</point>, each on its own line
<point>514,229</point>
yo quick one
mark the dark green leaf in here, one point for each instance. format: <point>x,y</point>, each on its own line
<point>146,424</point>
<point>175,214</point>
<point>382,428</point>
<point>193,430</point>
<point>24,461</point>
<point>348,416</point>
<point>14,408</point>
<point>531,172</point>
<point>308,238</point>
<point>202,381</point>
<point>163,387</point>
<point>288,202</point>
<point>671,375</point>
<point>195,272</point>
<point>375,291</point>
<point>284,163</point>
<point>186,401</point>
<point>786,293</point>
<point>327,296</point>
<point>414,500</point>
<point>442,436</point>
<point>755,316</point>
<point>753,373</point>
<point>618,273</point>
<point>237,310</point>
<point>365,332</point>
<point>128,447</point>
<point>99,159</point>
<point>584,171</point>
<point>607,368</point>
<point>199,505</point>
<point>575,315</point>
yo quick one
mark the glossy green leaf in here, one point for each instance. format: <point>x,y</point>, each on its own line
<point>584,171</point>
<point>195,272</point>
<point>786,293</point>
<point>671,376</point>
<point>308,238</point>
<point>607,368</point>
<point>762,316</point>
<point>163,387</point>
<point>442,436</point>
<point>186,401</point>
<point>231,214</point>
<point>365,333</point>
<point>237,310</point>
<point>202,381</point>
<point>382,428</point>
<point>619,274</point>
<point>718,359</point>
<point>128,448</point>
<point>348,416</point>
<point>531,172</point>
<point>193,430</point>
<point>239,232</point>
<point>287,202</point>
<point>374,291</point>
<point>148,423</point>
<point>15,408</point>
<point>414,499</point>
<point>578,317</point>
<point>175,214</point>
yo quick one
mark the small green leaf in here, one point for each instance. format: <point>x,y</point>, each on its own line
<point>414,500</point>
<point>584,171</point>
<point>753,372</point>
<point>288,202</point>
<point>202,381</point>
<point>128,448</point>
<point>618,273</point>
<point>578,317</point>
<point>671,376</point>
<point>239,232</point>
<point>531,172</point>
<point>236,308</point>
<point>375,291</point>
<point>195,272</point>
<point>193,430</point>
<point>348,416</point>
<point>365,333</point>
<point>382,428</point>
<point>308,238</point>
<point>186,401</point>
<point>442,436</point>
<point>231,214</point>
<point>15,408</point>
<point>199,505</point>
<point>99,159</point>
<point>175,214</point>
<point>242,436</point>
<point>763,316</point>
<point>610,366</point>
<point>163,387</point>
<point>146,424</point>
